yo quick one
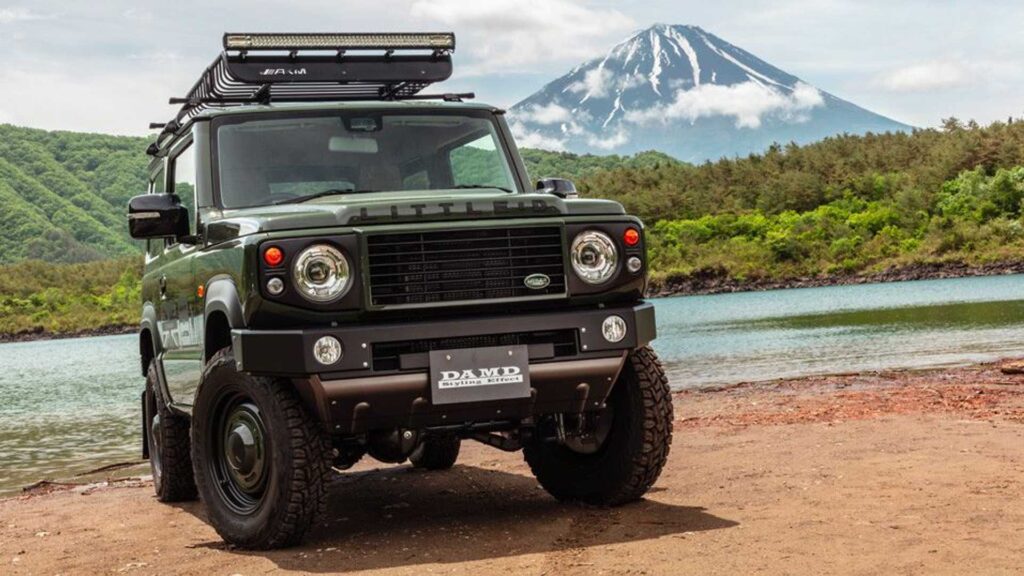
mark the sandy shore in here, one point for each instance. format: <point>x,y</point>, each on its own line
<point>906,473</point>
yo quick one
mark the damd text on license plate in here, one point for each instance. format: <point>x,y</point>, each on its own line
<point>479,374</point>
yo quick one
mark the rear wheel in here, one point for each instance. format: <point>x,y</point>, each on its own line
<point>167,436</point>
<point>260,459</point>
<point>625,446</point>
<point>436,452</point>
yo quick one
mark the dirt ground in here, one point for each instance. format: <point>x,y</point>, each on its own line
<point>897,473</point>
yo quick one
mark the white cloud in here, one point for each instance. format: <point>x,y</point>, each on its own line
<point>526,138</point>
<point>611,142</point>
<point>518,35</point>
<point>595,83</point>
<point>598,83</point>
<point>749,103</point>
<point>140,98</point>
<point>568,125</point>
<point>11,15</point>
<point>138,14</point>
<point>926,76</point>
<point>550,113</point>
<point>156,56</point>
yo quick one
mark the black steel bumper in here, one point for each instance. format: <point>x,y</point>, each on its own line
<point>350,396</point>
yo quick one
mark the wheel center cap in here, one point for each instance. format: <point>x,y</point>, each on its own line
<point>241,450</point>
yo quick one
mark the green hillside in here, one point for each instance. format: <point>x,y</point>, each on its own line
<point>63,194</point>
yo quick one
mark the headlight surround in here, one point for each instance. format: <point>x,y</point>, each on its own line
<point>321,273</point>
<point>594,257</point>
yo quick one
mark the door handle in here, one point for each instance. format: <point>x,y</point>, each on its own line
<point>163,287</point>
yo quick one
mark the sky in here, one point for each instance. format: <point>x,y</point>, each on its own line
<point>110,65</point>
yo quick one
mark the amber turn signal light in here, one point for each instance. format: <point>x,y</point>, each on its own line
<point>273,256</point>
<point>631,237</point>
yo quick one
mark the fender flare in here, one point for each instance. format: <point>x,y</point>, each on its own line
<point>222,296</point>
<point>149,322</point>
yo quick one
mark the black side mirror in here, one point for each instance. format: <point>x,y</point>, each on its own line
<point>157,216</point>
<point>558,186</point>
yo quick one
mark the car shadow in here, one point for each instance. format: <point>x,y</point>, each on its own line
<point>401,517</point>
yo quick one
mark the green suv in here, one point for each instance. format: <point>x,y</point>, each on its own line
<point>338,265</point>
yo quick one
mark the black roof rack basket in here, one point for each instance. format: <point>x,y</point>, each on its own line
<point>265,68</point>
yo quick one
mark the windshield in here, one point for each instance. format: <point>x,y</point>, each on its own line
<point>273,160</point>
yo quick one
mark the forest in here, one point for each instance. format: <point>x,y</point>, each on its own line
<point>845,205</point>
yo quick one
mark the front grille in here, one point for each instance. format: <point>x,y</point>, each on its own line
<point>387,356</point>
<point>461,265</point>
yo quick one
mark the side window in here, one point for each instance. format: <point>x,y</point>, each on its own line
<point>183,181</point>
<point>479,163</point>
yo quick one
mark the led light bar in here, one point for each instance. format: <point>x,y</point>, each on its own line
<point>354,41</point>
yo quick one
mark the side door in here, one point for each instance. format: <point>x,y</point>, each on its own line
<point>178,300</point>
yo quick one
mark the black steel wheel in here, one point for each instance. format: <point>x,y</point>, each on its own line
<point>167,437</point>
<point>240,450</point>
<point>625,448</point>
<point>261,461</point>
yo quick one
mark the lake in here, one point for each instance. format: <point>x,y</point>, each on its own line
<point>68,406</point>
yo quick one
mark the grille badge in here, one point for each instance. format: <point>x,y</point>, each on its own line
<point>537,281</point>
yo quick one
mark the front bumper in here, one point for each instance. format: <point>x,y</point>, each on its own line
<point>353,395</point>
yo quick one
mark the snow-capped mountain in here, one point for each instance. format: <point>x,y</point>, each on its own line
<point>686,92</point>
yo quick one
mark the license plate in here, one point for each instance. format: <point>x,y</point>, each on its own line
<point>479,374</point>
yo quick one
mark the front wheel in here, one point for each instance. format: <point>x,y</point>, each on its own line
<point>260,460</point>
<point>627,445</point>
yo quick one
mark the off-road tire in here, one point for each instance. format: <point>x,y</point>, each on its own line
<point>296,449</point>
<point>170,458</point>
<point>436,452</point>
<point>631,458</point>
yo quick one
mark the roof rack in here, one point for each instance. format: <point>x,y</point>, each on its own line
<point>265,68</point>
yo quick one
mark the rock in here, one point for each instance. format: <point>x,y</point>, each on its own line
<point>1012,367</point>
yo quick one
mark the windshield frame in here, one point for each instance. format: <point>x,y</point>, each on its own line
<point>506,144</point>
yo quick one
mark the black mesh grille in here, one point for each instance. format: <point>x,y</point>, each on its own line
<point>387,355</point>
<point>460,265</point>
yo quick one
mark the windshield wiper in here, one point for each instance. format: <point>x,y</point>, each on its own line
<point>476,186</point>
<point>321,194</point>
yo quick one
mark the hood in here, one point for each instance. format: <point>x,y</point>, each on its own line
<point>402,207</point>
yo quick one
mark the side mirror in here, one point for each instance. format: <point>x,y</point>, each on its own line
<point>157,216</point>
<point>558,186</point>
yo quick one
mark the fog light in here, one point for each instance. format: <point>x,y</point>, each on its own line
<point>614,329</point>
<point>275,286</point>
<point>327,350</point>
<point>634,264</point>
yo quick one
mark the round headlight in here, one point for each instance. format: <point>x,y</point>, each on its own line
<point>594,257</point>
<point>321,273</point>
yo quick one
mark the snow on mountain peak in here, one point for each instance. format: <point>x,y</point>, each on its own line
<point>661,79</point>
